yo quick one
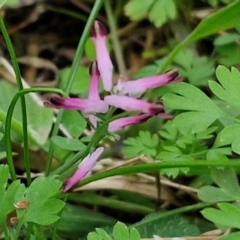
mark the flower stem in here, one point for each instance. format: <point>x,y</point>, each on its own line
<point>11,124</point>
<point>115,39</point>
<point>23,109</point>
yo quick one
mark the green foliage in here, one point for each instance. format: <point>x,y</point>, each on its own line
<point>38,204</point>
<point>179,145</point>
<point>232,236</point>
<point>229,87</point>
<point>214,3</point>
<point>44,203</point>
<point>159,12</point>
<point>145,143</point>
<point>165,226</point>
<point>189,67</point>
<point>8,193</point>
<point>74,216</point>
<point>229,136</point>
<point>201,110</point>
<point>211,24</point>
<point>228,190</point>
<point>228,215</point>
<point>227,47</point>
<point>39,117</point>
<point>120,231</point>
<point>9,3</point>
<point>71,144</point>
<point>81,83</point>
<point>69,120</point>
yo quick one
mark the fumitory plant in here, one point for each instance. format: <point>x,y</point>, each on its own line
<point>169,135</point>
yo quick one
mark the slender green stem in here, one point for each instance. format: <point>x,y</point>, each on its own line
<point>23,103</point>
<point>115,39</point>
<point>96,138</point>
<point>72,74</point>
<point>9,122</point>
<point>150,167</point>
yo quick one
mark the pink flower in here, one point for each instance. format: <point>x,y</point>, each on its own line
<point>98,35</point>
<point>84,168</point>
<point>120,123</point>
<point>86,106</point>
<point>131,104</point>
<point>94,75</point>
<point>140,86</point>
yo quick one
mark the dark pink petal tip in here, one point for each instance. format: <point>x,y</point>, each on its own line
<point>66,188</point>
<point>56,101</point>
<point>53,102</point>
<point>98,30</point>
<point>93,70</point>
<point>173,73</point>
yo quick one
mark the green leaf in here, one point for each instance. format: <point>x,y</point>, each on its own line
<point>74,216</point>
<point>134,234</point>
<point>90,49</point>
<point>136,11</point>
<point>201,110</point>
<point>120,231</point>
<point>81,83</point>
<point>214,195</point>
<point>9,3</point>
<point>212,24</point>
<point>228,215</point>
<point>217,22</point>
<point>39,117</point>
<point>69,120</point>
<point>93,236</point>
<point>8,193</point>
<point>155,224</point>
<point>230,85</point>
<point>227,48</point>
<point>232,236</point>
<point>230,135</point>
<point>72,144</point>
<point>189,67</point>
<point>161,11</point>
<point>145,143</point>
<point>229,182</point>
<point>2,2</point>
<point>44,205</point>
<point>103,234</point>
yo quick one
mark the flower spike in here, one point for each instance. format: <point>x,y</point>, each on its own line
<point>105,66</point>
<point>84,168</point>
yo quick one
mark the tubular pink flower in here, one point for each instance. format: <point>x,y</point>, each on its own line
<point>131,104</point>
<point>84,168</point>
<point>118,124</point>
<point>86,106</point>
<point>105,66</point>
<point>94,79</point>
<point>138,87</point>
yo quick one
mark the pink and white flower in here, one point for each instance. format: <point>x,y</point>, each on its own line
<point>132,104</point>
<point>137,87</point>
<point>84,168</point>
<point>86,106</point>
<point>120,123</point>
<point>105,66</point>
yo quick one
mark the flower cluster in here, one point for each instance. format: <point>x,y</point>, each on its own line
<point>124,95</point>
